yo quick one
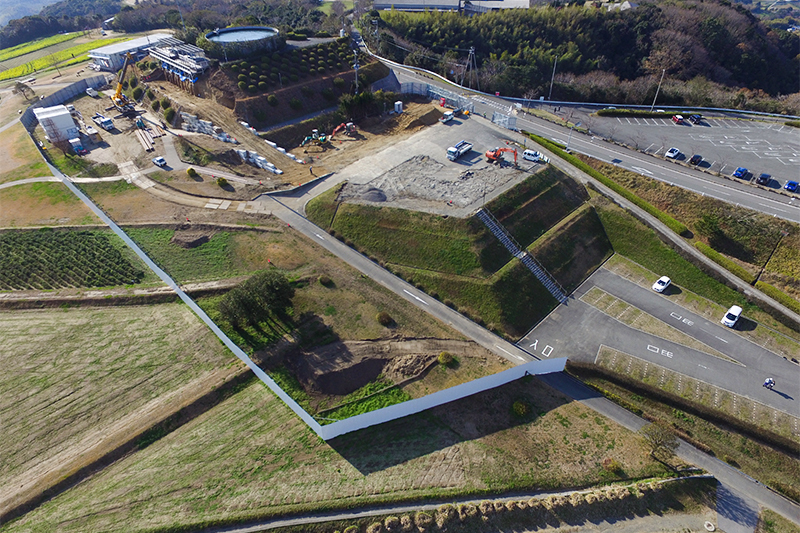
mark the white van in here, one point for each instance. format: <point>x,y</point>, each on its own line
<point>534,156</point>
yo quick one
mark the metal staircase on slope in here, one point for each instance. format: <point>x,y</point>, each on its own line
<point>527,259</point>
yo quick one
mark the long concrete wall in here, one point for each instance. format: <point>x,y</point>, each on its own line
<point>393,412</point>
<point>62,95</point>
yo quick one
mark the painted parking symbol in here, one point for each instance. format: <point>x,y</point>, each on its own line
<point>686,321</point>
<point>546,351</point>
<point>656,349</point>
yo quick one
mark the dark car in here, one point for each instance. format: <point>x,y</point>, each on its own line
<point>740,172</point>
<point>695,119</point>
<point>791,186</point>
<point>695,160</point>
<point>763,179</point>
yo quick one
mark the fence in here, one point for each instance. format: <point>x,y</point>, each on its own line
<point>410,407</point>
<point>28,119</point>
<point>505,121</point>
<point>456,101</point>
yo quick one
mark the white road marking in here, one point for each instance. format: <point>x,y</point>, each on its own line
<point>641,170</point>
<point>509,353</point>
<point>718,192</point>
<point>415,296</point>
<point>775,208</point>
<point>320,236</point>
<point>701,366</point>
<point>723,340</point>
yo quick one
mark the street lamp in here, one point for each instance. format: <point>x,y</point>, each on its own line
<point>570,134</point>
<point>663,71</point>
<point>553,77</point>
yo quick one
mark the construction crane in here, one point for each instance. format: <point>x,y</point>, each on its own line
<point>349,128</point>
<point>119,100</point>
<point>496,155</point>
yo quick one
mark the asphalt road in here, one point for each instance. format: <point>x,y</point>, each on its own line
<point>759,199</point>
<point>577,330</point>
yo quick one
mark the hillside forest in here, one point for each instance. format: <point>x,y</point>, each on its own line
<point>708,50</point>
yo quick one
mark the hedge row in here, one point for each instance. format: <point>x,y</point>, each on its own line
<point>725,263</point>
<point>793,123</point>
<point>633,113</point>
<point>674,225</point>
<point>759,434</point>
<point>779,295</point>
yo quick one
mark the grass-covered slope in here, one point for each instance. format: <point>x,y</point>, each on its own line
<point>461,263</point>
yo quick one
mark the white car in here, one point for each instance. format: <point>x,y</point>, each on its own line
<point>672,153</point>
<point>534,156</point>
<point>732,316</point>
<point>661,284</point>
<point>159,161</point>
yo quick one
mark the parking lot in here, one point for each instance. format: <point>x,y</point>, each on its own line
<point>725,143</point>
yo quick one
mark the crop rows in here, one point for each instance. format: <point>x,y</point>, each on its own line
<point>268,71</point>
<point>47,259</point>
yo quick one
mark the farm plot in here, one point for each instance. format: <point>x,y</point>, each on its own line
<point>250,457</point>
<point>47,259</point>
<point>77,383</point>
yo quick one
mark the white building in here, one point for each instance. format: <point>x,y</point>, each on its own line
<point>111,57</point>
<point>57,123</point>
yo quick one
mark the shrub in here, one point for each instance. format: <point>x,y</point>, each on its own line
<point>391,523</point>
<point>134,81</point>
<point>294,77</point>
<point>235,67</point>
<point>272,100</point>
<point>169,114</point>
<point>154,65</point>
<point>376,527</point>
<point>165,102</point>
<point>384,319</point>
<point>150,94</point>
<point>156,105</point>
<point>780,296</point>
<point>262,85</point>
<point>325,281</point>
<point>423,520</point>
<point>295,104</point>
<point>338,82</point>
<point>306,90</point>
<point>327,94</point>
<point>321,69</point>
<point>243,85</point>
<point>725,263</point>
<point>241,77</point>
<point>351,529</point>
<point>244,65</point>
<point>445,358</point>
<point>520,409</point>
<point>137,93</point>
<point>274,76</point>
<point>612,465</point>
<point>191,172</point>
<point>222,182</point>
<point>252,88</point>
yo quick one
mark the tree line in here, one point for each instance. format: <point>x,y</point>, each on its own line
<point>516,49</point>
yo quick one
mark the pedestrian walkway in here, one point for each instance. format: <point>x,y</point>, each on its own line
<point>735,513</point>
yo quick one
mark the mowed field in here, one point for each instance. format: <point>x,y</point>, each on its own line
<point>77,383</point>
<point>250,457</point>
<point>20,158</point>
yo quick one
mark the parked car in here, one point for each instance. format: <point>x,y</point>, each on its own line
<point>672,153</point>
<point>740,173</point>
<point>695,119</point>
<point>661,284</point>
<point>763,179</point>
<point>536,157</point>
<point>732,316</point>
<point>159,161</point>
<point>696,159</point>
<point>791,186</point>
<point>677,119</point>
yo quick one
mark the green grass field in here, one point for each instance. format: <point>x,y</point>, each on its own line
<point>21,158</point>
<point>65,57</point>
<point>251,457</point>
<point>33,46</point>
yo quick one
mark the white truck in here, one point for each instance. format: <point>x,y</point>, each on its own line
<point>104,122</point>
<point>454,152</point>
<point>91,92</point>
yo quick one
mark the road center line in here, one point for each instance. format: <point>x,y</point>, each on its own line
<point>415,296</point>
<point>509,353</point>
<point>723,340</point>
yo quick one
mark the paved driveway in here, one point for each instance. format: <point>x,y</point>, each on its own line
<point>577,330</point>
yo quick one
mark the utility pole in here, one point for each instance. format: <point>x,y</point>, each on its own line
<point>355,67</point>
<point>472,68</point>
<point>659,88</point>
<point>570,135</point>
<point>552,78</point>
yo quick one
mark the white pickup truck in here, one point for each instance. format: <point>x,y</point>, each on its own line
<point>454,152</point>
<point>104,122</point>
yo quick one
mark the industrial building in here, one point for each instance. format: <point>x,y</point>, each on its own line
<point>111,57</point>
<point>182,63</point>
<point>57,123</point>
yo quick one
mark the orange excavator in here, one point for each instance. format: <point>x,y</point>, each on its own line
<point>496,155</point>
<point>349,128</point>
